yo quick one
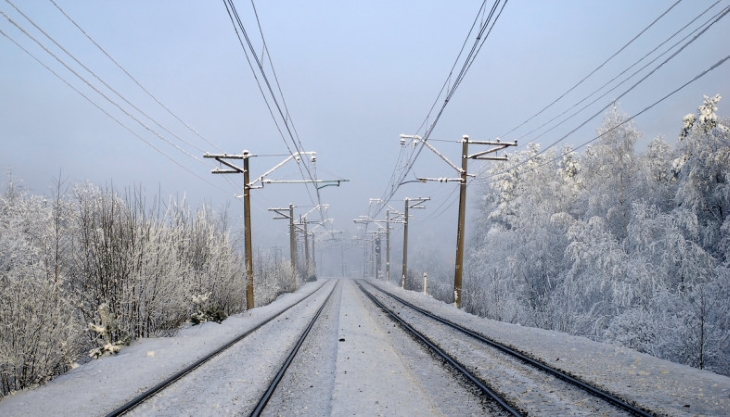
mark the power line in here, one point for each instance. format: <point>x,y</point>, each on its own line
<point>595,70</point>
<point>286,118</point>
<point>718,17</point>
<point>132,77</point>
<point>92,86</point>
<point>231,11</point>
<point>709,22</point>
<point>273,72</point>
<point>107,113</point>
<point>485,30</point>
<point>649,107</point>
<point>98,78</point>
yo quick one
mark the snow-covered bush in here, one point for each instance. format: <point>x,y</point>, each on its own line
<point>206,311</point>
<point>272,277</point>
<point>94,270</point>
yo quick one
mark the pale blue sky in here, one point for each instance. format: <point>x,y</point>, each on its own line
<point>355,75</point>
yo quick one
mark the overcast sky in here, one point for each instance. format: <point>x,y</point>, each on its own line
<point>355,75</point>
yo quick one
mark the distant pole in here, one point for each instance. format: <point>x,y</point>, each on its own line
<point>415,203</point>
<point>365,255</point>
<point>405,248</point>
<point>314,257</point>
<point>293,245</point>
<point>372,260</point>
<point>387,245</point>
<point>378,257</point>
<point>306,249</point>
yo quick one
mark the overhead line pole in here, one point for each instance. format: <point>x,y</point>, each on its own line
<point>248,185</point>
<point>310,266</point>
<point>314,256</point>
<point>387,222</point>
<point>293,245</point>
<point>284,214</point>
<point>387,245</point>
<point>463,175</point>
<point>418,201</point>
<point>306,248</point>
<point>459,263</point>
<point>246,213</point>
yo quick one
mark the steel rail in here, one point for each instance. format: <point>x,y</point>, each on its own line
<point>535,363</point>
<point>183,372</point>
<point>476,381</point>
<point>275,382</point>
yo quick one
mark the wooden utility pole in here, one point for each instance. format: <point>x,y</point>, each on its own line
<point>293,245</point>
<point>463,175</point>
<point>306,249</point>
<point>458,264</point>
<point>248,185</point>
<point>378,257</point>
<point>283,214</point>
<point>417,204</point>
<point>387,245</point>
<point>314,257</point>
<point>246,212</point>
<point>404,270</point>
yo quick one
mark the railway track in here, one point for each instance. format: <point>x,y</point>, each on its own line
<point>462,355</point>
<point>178,376</point>
<point>285,366</point>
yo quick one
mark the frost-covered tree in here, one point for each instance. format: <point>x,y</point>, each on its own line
<point>93,270</point>
<point>620,246</point>
<point>522,239</point>
<point>610,172</point>
<point>702,169</point>
<point>38,332</point>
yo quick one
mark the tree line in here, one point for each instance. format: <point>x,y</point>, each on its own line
<point>616,245</point>
<point>90,269</point>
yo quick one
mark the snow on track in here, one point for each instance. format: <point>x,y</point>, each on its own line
<point>664,387</point>
<point>232,382</point>
<point>306,388</point>
<point>376,370</point>
<point>533,391</point>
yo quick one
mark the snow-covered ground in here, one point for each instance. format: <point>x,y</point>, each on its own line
<point>355,362</point>
<point>100,386</point>
<point>664,387</point>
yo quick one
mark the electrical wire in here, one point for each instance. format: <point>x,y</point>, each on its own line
<point>599,112</point>
<point>100,80</point>
<point>709,22</point>
<point>98,91</point>
<point>485,30</point>
<point>170,158</point>
<point>283,113</point>
<point>133,78</point>
<point>594,70</point>
<point>629,119</point>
